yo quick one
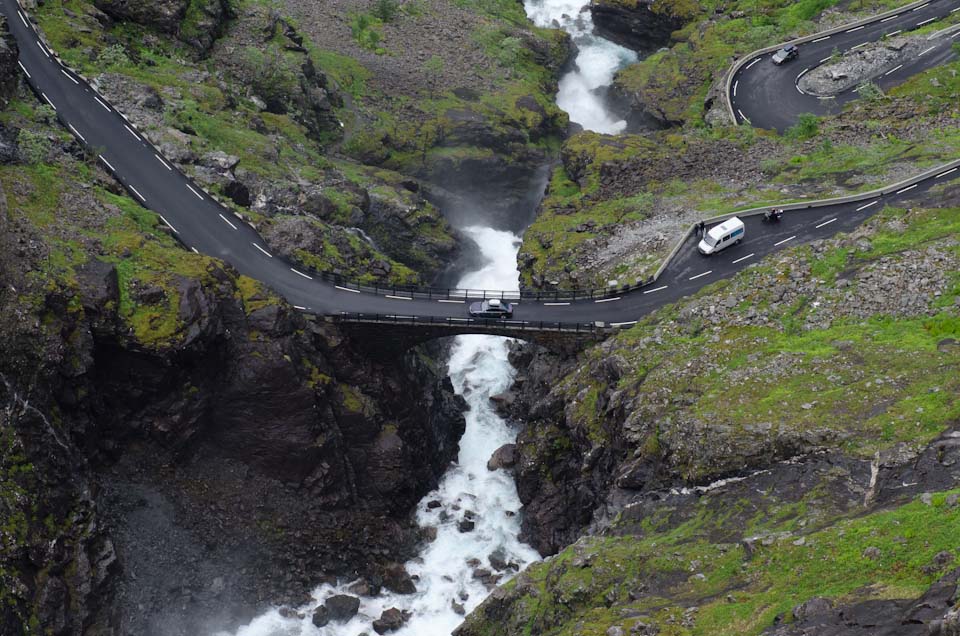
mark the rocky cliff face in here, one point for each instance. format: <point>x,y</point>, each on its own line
<point>196,22</point>
<point>9,52</point>
<point>181,448</point>
<point>641,25</point>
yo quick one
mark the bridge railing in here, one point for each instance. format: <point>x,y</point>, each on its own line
<point>584,328</point>
<point>456,293</point>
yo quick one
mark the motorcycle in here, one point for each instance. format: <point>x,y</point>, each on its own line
<point>773,215</point>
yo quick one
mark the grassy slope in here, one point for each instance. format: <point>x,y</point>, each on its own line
<point>113,226</point>
<point>222,118</point>
<point>683,385</point>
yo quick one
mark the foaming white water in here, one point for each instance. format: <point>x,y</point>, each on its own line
<point>597,61</point>
<point>478,369</point>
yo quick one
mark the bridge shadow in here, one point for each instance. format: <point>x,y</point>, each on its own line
<point>386,339</point>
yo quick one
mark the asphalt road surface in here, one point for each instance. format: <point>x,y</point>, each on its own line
<point>766,94</point>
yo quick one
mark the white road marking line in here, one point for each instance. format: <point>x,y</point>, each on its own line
<point>175,230</point>
<point>555,304</point>
<point>650,291</point>
<point>907,188</point>
<point>955,34</point>
<point>160,159</point>
<point>70,77</point>
<point>269,255</point>
<point>22,19</point>
<point>397,297</point>
<point>77,133</point>
<point>352,291</point>
<point>24,69</point>
<point>130,130</point>
<point>893,17</point>
<point>864,207</point>
<point>826,37</point>
<point>299,307</point>
<point>195,250</point>
<point>740,112</point>
<point>954,10</point>
<point>458,302</point>
<point>854,48</point>
<point>925,51</point>
<point>826,59</point>
<point>137,192</point>
<point>48,101</point>
<point>943,174</point>
<point>735,84</point>
<point>301,274</point>
<point>607,300</point>
<point>919,24</point>
<point>743,258</point>
<point>920,7</point>
<point>892,33</point>
<point>825,223</point>
<point>799,90</point>
<point>112,169</point>
<point>100,101</point>
<point>785,240</point>
<point>227,221</point>
<point>753,62</point>
<point>802,73</point>
<point>855,29</point>
<point>621,324</point>
<point>828,97</point>
<point>199,196</point>
<point>700,275</point>
<point>450,319</point>
<point>42,49</point>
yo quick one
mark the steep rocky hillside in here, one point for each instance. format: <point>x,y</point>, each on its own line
<point>176,443</point>
<point>777,454</point>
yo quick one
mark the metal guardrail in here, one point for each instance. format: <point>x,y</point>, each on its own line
<point>581,328</point>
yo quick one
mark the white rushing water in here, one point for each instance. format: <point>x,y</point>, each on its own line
<point>580,93</point>
<point>478,369</point>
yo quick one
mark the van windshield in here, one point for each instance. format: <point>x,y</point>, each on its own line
<point>709,240</point>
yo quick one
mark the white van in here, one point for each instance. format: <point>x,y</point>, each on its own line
<point>722,236</point>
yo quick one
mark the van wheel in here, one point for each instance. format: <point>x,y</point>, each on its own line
<point>738,241</point>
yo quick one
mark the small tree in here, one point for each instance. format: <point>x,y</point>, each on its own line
<point>434,70</point>
<point>386,10</point>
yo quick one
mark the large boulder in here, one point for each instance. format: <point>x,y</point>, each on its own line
<point>342,607</point>
<point>641,26</point>
<point>164,15</point>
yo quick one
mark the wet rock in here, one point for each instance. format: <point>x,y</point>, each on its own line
<point>390,621</point>
<point>466,525</point>
<point>364,587</point>
<point>457,608</point>
<point>342,607</point>
<point>321,616</point>
<point>504,457</point>
<point>633,25</point>
<point>433,504</point>
<point>397,580</point>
